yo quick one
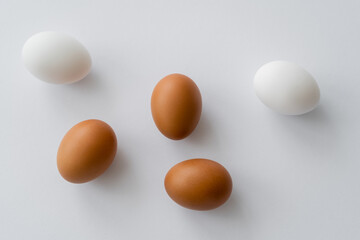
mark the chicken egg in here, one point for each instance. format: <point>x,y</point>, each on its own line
<point>86,151</point>
<point>56,58</point>
<point>286,88</point>
<point>198,184</point>
<point>176,106</point>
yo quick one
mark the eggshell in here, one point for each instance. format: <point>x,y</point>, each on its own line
<point>286,88</point>
<point>176,106</point>
<point>56,57</point>
<point>198,184</point>
<point>86,151</point>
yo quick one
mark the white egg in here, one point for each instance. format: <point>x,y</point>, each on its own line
<point>286,88</point>
<point>56,57</point>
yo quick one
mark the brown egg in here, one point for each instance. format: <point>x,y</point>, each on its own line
<point>176,106</point>
<point>86,151</point>
<point>198,184</point>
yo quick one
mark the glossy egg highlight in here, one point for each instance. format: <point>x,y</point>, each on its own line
<point>198,184</point>
<point>176,106</point>
<point>86,151</point>
<point>286,88</point>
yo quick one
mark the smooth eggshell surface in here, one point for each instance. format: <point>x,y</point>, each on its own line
<point>56,58</point>
<point>86,151</point>
<point>176,106</point>
<point>286,88</point>
<point>198,184</point>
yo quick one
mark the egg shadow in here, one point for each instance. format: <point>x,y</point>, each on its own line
<point>231,209</point>
<point>76,97</point>
<point>226,216</point>
<point>113,176</point>
<point>115,185</point>
<point>203,133</point>
<point>313,131</point>
<point>88,84</point>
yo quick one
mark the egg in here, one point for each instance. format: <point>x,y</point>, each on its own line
<point>198,184</point>
<point>56,57</point>
<point>86,151</point>
<point>286,88</point>
<point>176,106</point>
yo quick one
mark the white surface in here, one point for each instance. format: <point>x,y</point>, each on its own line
<point>286,88</point>
<point>294,178</point>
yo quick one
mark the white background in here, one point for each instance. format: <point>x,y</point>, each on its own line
<point>295,178</point>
